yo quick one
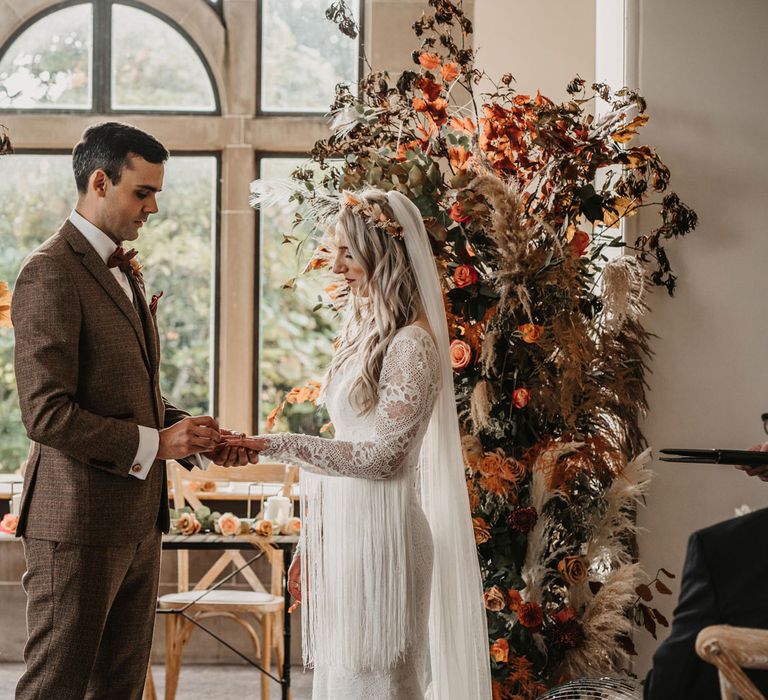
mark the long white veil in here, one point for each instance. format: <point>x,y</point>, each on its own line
<point>458,637</point>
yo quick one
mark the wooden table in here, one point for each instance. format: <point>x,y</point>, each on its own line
<point>286,543</point>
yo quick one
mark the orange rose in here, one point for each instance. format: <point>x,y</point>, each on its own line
<point>464,275</point>
<point>573,569</point>
<point>9,523</point>
<point>515,600</point>
<point>521,397</point>
<point>531,332</point>
<point>461,354</point>
<point>265,528</point>
<point>457,213</point>
<point>188,524</point>
<point>482,530</point>
<point>500,651</point>
<point>530,615</point>
<point>430,61</point>
<point>450,71</point>
<point>494,599</point>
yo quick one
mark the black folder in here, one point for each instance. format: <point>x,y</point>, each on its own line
<point>748,458</point>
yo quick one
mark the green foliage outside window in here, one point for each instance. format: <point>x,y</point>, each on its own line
<point>145,52</point>
<point>303,57</point>
<point>37,193</point>
<point>295,341</point>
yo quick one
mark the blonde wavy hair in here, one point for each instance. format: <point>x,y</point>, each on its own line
<point>388,297</point>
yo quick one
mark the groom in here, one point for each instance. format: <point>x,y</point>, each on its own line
<point>95,502</point>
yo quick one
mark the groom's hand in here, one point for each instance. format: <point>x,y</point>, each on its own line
<point>187,437</point>
<point>228,455</point>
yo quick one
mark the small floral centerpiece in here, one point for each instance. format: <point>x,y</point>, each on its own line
<point>188,521</point>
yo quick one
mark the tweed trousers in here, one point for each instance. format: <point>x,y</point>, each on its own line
<point>90,617</point>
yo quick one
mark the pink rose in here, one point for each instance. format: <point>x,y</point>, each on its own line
<point>292,527</point>
<point>461,354</point>
<point>9,523</point>
<point>228,524</point>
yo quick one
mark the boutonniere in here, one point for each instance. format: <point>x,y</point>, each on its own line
<point>127,262</point>
<point>136,270</point>
<point>153,304</point>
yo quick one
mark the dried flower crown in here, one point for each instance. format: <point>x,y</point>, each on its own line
<point>372,214</point>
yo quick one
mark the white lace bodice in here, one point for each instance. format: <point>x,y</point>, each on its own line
<point>380,444</point>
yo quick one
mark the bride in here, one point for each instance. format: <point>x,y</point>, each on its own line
<point>388,569</point>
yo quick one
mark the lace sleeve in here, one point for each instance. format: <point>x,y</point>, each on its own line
<point>407,390</point>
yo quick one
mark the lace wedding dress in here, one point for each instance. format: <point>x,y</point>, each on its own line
<point>366,544</point>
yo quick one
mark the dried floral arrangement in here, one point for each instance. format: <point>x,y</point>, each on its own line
<point>548,345</point>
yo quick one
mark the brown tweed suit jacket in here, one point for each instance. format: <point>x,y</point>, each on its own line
<point>87,371</point>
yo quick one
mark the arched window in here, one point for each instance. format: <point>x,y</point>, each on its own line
<point>105,56</point>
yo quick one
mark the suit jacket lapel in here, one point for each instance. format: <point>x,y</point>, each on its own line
<point>95,265</point>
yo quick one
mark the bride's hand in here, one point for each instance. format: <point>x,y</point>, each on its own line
<point>230,454</point>
<point>253,442</point>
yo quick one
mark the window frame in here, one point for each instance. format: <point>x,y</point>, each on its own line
<point>215,340</point>
<point>101,59</point>
<point>260,156</point>
<point>361,65</point>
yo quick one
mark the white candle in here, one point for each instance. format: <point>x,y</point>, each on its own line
<point>278,509</point>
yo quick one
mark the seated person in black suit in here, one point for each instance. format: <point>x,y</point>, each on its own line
<point>725,581</point>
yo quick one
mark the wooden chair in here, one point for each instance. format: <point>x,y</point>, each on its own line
<point>265,607</point>
<point>731,649</point>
